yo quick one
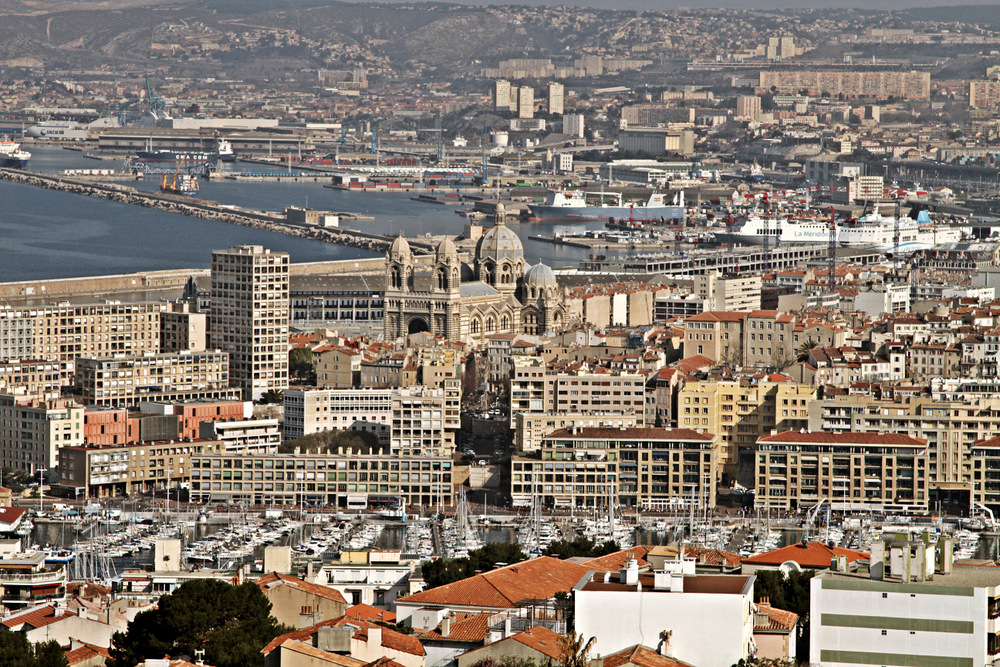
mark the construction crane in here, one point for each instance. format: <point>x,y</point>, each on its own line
<point>440,135</point>
<point>895,242</point>
<point>482,145</point>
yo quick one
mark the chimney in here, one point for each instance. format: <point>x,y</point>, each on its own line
<point>629,575</point>
<point>877,560</point>
<point>446,626</point>
<point>374,638</point>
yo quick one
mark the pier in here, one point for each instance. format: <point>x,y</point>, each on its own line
<point>206,209</point>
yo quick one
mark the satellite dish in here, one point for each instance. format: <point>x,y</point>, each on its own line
<point>788,566</point>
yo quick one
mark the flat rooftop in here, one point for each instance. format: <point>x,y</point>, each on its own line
<point>971,576</point>
<point>723,584</point>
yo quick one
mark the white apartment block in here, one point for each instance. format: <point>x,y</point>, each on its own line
<point>556,95</point>
<point>530,428</point>
<point>412,421</point>
<point>253,436</point>
<point>32,431</point>
<point>525,102</point>
<point>913,607</point>
<point>248,317</point>
<point>125,381</point>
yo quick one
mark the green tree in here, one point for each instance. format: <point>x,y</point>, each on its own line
<point>581,546</point>
<point>272,396</point>
<point>803,350</point>
<point>15,651</point>
<point>790,593</point>
<point>574,652</point>
<point>50,654</point>
<point>487,557</point>
<point>231,623</point>
<point>300,365</point>
<point>328,441</point>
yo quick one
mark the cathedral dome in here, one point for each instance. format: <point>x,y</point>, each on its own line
<point>498,243</point>
<point>400,249</point>
<point>540,275</point>
<point>446,250</point>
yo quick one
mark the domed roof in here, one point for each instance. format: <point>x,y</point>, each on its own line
<point>498,243</point>
<point>400,247</point>
<point>540,275</point>
<point>445,250</point>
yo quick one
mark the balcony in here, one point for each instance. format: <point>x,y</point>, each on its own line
<point>55,576</point>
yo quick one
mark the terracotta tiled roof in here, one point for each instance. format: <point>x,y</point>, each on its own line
<point>815,555</point>
<point>369,613</point>
<point>504,587</point>
<point>464,628</point>
<point>383,662</point>
<point>702,556</point>
<point>273,579</point>
<point>318,654</point>
<point>846,438</point>
<point>616,561</point>
<point>772,619</point>
<point>86,652</point>
<point>11,514</point>
<point>391,639</point>
<point>36,618</point>
<point>538,638</point>
<point>693,363</point>
<point>717,316</point>
<point>642,656</point>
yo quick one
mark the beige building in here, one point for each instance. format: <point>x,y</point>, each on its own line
<point>182,329</point>
<point>501,95</point>
<point>249,317</point>
<point>739,413</point>
<point>767,339</point>
<point>125,381</point>
<point>649,468</point>
<point>850,83</point>
<point>64,332</point>
<point>731,293</point>
<point>984,94</point>
<point>101,471</point>
<point>748,106</point>
<point>525,102</point>
<point>347,481</point>
<point>556,92</point>
<point>337,367</point>
<point>717,335</point>
<point>298,603</point>
<point>30,378</point>
<point>33,431</point>
<point>853,471</point>
<point>530,428</point>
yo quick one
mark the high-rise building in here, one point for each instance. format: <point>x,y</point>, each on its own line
<point>573,124</point>
<point>501,94</point>
<point>556,91</point>
<point>248,317</point>
<point>748,106</point>
<point>525,102</point>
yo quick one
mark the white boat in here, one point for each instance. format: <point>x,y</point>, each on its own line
<point>580,204</point>
<point>779,229</point>
<point>879,232</point>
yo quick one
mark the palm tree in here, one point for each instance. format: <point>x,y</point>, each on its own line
<point>575,651</point>
<point>803,350</point>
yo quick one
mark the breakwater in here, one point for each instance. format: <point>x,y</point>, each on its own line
<point>203,208</point>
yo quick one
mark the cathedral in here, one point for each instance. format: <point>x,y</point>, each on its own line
<point>497,294</point>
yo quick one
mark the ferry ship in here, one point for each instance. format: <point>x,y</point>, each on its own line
<point>12,156</point>
<point>579,204</point>
<point>878,231</point>
<point>789,229</point>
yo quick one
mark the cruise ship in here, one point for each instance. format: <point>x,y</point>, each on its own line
<point>579,204</point>
<point>878,231</point>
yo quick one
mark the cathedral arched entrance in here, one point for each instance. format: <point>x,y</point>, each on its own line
<point>417,325</point>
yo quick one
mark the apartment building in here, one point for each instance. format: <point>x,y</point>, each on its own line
<point>717,335</point>
<point>32,431</point>
<point>850,83</point>
<point>767,339</point>
<point>530,428</point>
<point>260,436</point>
<point>853,471</point>
<point>125,381</point>
<point>348,480</point>
<point>913,606</point>
<point>739,412</point>
<point>501,95</point>
<point>100,471</point>
<point>248,317</point>
<point>950,427</point>
<point>65,332</point>
<point>534,388</point>
<point>35,378</point>
<point>191,413</point>
<point>730,293</point>
<point>649,468</point>
<point>412,420</point>
<point>337,367</point>
<point>314,410</point>
<point>556,95</point>
<point>525,102</point>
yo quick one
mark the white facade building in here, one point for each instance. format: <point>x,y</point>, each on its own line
<point>709,617</point>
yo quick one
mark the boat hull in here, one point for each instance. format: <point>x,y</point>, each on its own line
<point>548,212</point>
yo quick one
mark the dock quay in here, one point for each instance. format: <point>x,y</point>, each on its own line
<point>206,209</point>
<point>597,243</point>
